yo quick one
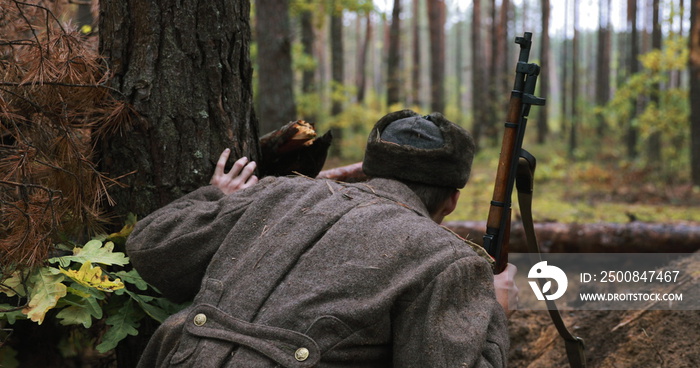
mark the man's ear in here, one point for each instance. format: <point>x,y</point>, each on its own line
<point>451,203</point>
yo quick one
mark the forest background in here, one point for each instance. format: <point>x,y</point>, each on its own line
<point>618,140</point>
<point>613,141</point>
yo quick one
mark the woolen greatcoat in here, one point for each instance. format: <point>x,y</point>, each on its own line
<point>298,272</point>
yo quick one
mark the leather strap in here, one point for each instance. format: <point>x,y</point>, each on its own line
<point>525,185</point>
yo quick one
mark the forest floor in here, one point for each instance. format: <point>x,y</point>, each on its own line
<point>587,191</point>
<point>616,338</point>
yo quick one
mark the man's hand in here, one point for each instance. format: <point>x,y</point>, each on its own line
<point>506,290</point>
<point>239,177</point>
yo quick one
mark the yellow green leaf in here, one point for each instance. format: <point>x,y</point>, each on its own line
<point>46,289</point>
<point>13,285</point>
<point>94,251</point>
<point>91,276</point>
<point>126,230</point>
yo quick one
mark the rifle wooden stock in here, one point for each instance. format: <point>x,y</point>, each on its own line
<point>498,222</point>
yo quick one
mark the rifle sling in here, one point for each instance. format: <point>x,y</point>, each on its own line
<point>574,344</point>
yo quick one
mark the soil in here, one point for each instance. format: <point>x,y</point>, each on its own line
<point>614,339</point>
<point>652,339</point>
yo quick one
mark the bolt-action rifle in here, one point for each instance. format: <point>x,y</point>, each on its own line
<point>516,167</point>
<point>521,98</point>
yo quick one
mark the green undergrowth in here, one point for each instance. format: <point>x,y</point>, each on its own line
<point>607,188</point>
<point>570,191</point>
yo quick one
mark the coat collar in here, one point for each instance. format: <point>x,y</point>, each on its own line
<point>395,191</point>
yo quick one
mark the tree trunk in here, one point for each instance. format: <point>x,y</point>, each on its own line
<point>694,71</point>
<point>337,74</point>
<point>602,85</point>
<point>632,132</point>
<point>308,78</point>
<point>362,60</point>
<point>478,75</point>
<point>459,56</point>
<point>393,88</point>
<point>654,145</point>
<point>565,68</point>
<point>275,100</point>
<point>497,78</point>
<point>542,121</point>
<point>574,82</point>
<point>436,20</point>
<point>185,69</point>
<point>416,56</point>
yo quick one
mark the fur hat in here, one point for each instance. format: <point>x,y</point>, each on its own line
<point>430,149</point>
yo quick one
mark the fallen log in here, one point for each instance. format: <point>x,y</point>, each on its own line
<point>632,237</point>
<point>350,174</point>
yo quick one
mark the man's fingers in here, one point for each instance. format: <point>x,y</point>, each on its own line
<point>237,167</point>
<point>242,174</point>
<point>251,181</point>
<point>239,177</point>
<point>219,170</point>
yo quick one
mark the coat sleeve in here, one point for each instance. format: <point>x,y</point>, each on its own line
<point>172,247</point>
<point>454,322</point>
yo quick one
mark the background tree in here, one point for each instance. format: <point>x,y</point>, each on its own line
<point>632,133</point>
<point>309,86</point>
<point>337,73</point>
<point>436,21</point>
<point>479,82</point>
<point>394,83</point>
<point>415,54</point>
<point>543,118</point>
<point>654,143</point>
<point>694,67</point>
<point>602,80</point>
<point>361,77</point>
<point>575,77</point>
<point>273,34</point>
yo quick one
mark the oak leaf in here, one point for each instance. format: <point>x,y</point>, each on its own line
<point>92,277</point>
<point>45,291</point>
<point>96,252</point>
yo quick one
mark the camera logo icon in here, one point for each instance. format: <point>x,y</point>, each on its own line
<point>542,270</point>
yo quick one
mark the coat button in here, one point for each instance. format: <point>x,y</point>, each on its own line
<point>301,354</point>
<point>200,319</point>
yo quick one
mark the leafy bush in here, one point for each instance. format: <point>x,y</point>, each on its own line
<point>90,282</point>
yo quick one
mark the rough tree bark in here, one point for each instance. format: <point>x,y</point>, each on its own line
<point>185,69</point>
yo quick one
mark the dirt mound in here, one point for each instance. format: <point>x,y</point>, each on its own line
<point>616,339</point>
<point>612,338</point>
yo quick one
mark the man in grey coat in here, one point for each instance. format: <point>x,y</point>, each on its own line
<point>301,272</point>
